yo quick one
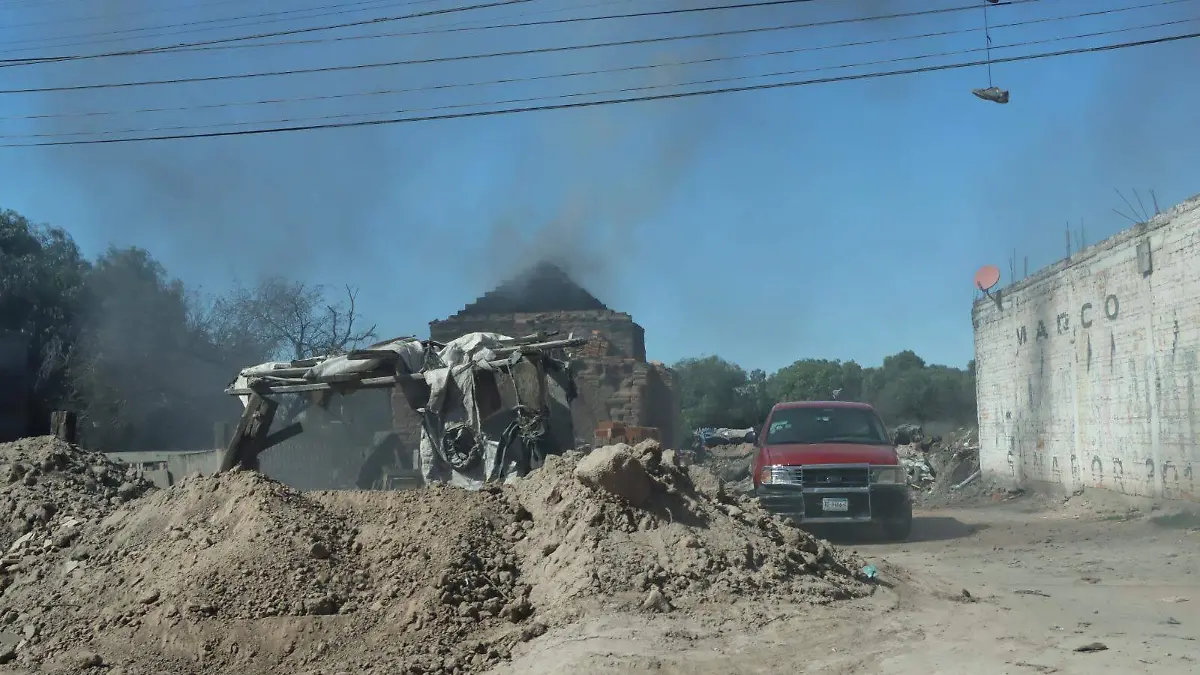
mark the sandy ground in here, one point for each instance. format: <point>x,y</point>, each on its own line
<point>1045,580</point>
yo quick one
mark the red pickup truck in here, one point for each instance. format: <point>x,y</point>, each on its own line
<point>832,462</point>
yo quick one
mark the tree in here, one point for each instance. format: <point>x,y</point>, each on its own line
<point>289,320</point>
<point>817,380</point>
<point>716,393</point>
<point>41,291</point>
<point>144,374</point>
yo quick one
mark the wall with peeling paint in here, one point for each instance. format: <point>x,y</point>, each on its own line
<point>1087,371</point>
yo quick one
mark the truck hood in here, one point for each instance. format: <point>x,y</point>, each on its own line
<point>796,454</point>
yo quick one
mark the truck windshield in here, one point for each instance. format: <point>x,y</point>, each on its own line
<point>826,425</point>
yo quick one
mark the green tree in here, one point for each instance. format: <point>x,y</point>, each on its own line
<point>817,380</point>
<point>716,393</point>
<point>42,275</point>
<point>145,374</point>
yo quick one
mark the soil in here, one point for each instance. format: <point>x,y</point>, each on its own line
<point>1024,585</point>
<point>619,561</point>
<point>238,573</point>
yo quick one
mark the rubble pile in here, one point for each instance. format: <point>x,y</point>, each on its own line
<point>52,489</point>
<point>627,526</point>
<point>240,574</point>
<point>730,463</point>
<point>940,466</point>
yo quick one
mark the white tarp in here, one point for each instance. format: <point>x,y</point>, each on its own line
<point>410,350</point>
<point>472,347</point>
<point>462,357</point>
<point>452,398</point>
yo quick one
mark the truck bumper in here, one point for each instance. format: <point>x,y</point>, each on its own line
<point>878,503</point>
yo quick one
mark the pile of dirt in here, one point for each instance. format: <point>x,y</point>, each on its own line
<point>630,527</point>
<point>52,488</point>
<point>240,574</point>
<point>730,463</point>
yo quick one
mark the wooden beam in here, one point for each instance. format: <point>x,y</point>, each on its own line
<point>62,425</point>
<point>250,435</point>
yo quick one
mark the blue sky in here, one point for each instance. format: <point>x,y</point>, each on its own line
<point>840,221</point>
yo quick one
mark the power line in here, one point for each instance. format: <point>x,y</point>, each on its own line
<point>609,71</point>
<point>611,101</point>
<point>518,52</point>
<point>109,17</point>
<point>292,31</point>
<point>234,43</point>
<point>443,28</point>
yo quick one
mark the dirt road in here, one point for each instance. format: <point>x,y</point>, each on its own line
<point>1044,580</point>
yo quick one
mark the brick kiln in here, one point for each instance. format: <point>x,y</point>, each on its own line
<point>613,379</point>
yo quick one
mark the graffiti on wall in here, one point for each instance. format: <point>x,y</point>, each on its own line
<point>1062,322</point>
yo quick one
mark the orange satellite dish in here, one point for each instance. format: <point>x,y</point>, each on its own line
<point>987,277</point>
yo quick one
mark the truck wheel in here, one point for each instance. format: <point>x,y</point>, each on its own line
<point>899,529</point>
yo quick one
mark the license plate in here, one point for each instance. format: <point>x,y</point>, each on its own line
<point>835,504</point>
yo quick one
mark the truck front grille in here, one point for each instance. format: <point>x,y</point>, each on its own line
<point>822,476</point>
<point>837,477</point>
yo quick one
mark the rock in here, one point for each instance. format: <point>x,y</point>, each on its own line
<point>149,597</point>
<point>615,470</point>
<point>533,630</point>
<point>319,551</point>
<point>655,601</point>
<point>8,653</point>
<point>672,459</point>
<point>1092,647</point>
<point>323,606</point>
<point>89,660</point>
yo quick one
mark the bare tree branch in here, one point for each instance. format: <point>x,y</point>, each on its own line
<point>293,320</point>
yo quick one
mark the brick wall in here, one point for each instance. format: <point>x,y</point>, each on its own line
<point>626,337</point>
<point>628,391</point>
<point>1088,374</point>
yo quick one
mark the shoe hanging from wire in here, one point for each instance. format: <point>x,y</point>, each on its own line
<point>992,92</point>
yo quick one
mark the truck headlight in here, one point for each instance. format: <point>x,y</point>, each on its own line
<point>766,476</point>
<point>889,475</point>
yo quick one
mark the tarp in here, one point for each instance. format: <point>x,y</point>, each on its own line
<point>454,447</point>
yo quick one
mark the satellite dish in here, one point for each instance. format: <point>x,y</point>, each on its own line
<point>987,277</point>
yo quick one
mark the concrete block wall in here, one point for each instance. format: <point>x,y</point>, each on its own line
<point>1087,373</point>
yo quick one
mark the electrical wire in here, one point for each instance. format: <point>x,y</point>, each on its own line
<point>471,57</point>
<point>110,17</point>
<point>442,28</point>
<point>190,46</point>
<point>292,31</point>
<point>605,71</point>
<point>609,101</point>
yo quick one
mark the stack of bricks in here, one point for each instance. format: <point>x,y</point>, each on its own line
<point>610,432</point>
<point>597,347</point>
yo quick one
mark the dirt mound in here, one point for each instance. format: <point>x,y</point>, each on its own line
<point>184,573</point>
<point>240,574</point>
<point>50,485</point>
<point>683,546</point>
<point>730,463</point>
